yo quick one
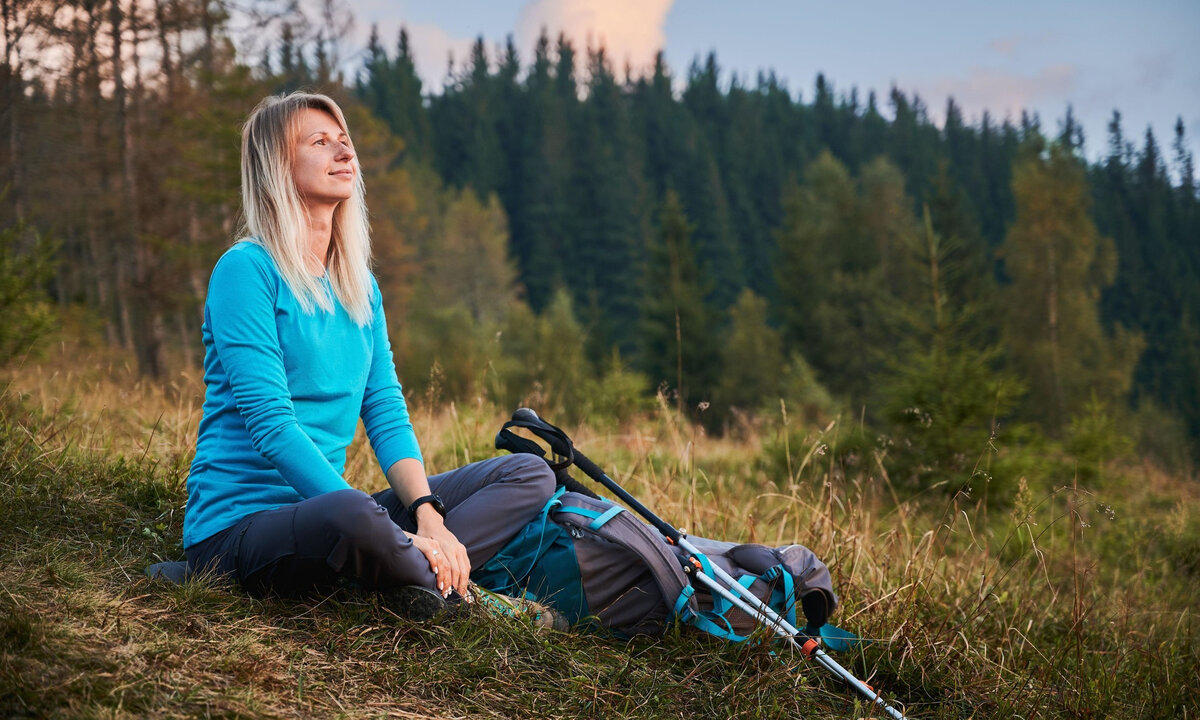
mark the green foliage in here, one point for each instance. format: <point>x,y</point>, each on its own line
<point>840,261</point>
<point>678,330</point>
<point>467,262</point>
<point>752,360</point>
<point>28,261</point>
<point>619,395</point>
<point>804,395</point>
<point>945,396</point>
<point>1059,264</point>
<point>443,353</point>
<point>541,362</point>
<point>1096,436</point>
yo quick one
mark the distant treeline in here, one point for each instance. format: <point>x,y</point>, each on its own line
<point>585,163</point>
<point>548,230</point>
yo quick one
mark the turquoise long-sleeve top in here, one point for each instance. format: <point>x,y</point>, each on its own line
<point>284,392</point>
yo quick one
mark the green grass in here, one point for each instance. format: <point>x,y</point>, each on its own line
<point>1045,608</point>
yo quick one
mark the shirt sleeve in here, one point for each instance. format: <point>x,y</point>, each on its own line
<point>384,410</point>
<point>241,317</point>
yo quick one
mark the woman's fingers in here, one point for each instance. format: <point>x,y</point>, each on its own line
<point>458,563</point>
<point>444,569</point>
<point>439,562</point>
<point>462,570</point>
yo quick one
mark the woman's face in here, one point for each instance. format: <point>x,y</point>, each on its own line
<point>323,165</point>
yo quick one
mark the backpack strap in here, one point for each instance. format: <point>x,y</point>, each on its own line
<point>499,570</point>
<point>599,519</point>
<point>716,622</point>
<point>612,523</point>
<point>782,597</point>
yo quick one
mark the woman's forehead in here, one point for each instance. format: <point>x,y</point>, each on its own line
<point>313,120</point>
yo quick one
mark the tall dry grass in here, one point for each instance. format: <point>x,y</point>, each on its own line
<point>1067,601</point>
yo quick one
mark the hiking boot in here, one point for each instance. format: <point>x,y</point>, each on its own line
<point>414,602</point>
<point>542,616</point>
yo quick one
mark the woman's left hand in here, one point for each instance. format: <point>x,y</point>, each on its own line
<point>430,525</point>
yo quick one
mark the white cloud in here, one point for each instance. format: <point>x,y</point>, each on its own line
<point>1013,45</point>
<point>631,31</point>
<point>1001,92</point>
<point>432,48</point>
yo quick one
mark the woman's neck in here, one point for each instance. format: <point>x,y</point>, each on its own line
<point>320,233</point>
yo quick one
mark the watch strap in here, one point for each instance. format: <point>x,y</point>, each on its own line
<point>433,500</point>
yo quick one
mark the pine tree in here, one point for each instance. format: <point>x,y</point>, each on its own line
<point>752,361</point>
<point>1058,264</point>
<point>945,390</point>
<point>678,337</point>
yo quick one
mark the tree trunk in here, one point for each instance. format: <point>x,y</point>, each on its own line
<point>1052,317</point>
<point>144,318</point>
<point>12,59</point>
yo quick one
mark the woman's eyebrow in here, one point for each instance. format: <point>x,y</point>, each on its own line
<point>341,134</point>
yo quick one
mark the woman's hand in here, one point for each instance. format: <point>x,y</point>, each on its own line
<point>447,556</point>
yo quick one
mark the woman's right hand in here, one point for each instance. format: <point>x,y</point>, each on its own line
<point>438,562</point>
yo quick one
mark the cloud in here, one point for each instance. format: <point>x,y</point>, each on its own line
<point>1011,45</point>
<point>631,31</point>
<point>1001,92</point>
<point>430,45</point>
<point>432,48</point>
<point>1005,46</point>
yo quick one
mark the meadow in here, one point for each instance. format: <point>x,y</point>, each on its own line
<point>1070,594</point>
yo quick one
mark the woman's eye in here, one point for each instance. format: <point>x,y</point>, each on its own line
<point>319,142</point>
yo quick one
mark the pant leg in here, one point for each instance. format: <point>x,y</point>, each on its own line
<point>487,502</point>
<point>309,545</point>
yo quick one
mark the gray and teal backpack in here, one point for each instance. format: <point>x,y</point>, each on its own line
<point>595,563</point>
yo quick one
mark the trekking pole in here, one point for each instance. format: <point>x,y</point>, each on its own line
<point>744,600</point>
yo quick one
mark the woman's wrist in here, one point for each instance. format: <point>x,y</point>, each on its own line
<point>427,516</point>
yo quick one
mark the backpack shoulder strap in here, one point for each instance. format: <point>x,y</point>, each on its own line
<point>610,521</point>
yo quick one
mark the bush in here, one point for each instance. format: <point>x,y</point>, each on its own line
<point>1094,437</point>
<point>27,263</point>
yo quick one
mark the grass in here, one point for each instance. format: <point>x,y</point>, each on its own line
<point>1067,602</point>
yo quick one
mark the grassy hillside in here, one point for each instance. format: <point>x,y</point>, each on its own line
<point>1063,599</point>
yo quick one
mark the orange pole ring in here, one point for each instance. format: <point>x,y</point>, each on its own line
<point>809,647</point>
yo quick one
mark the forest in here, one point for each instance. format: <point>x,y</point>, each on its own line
<point>550,230</point>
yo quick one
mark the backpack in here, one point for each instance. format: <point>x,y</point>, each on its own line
<point>598,565</point>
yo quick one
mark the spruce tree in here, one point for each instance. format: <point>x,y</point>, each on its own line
<point>1058,264</point>
<point>678,348</point>
<point>752,361</point>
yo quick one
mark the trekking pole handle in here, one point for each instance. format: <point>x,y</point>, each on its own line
<point>593,471</point>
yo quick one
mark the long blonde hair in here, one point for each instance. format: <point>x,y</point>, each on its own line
<point>274,214</point>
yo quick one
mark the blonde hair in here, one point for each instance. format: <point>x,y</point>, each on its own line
<point>275,217</point>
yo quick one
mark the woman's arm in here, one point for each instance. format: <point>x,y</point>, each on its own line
<point>389,427</point>
<point>447,556</point>
<point>240,312</point>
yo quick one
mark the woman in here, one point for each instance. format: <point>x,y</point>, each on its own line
<point>296,351</point>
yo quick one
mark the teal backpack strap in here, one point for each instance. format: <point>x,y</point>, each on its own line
<point>712,621</point>
<point>715,622</point>
<point>783,599</point>
<point>681,609</point>
<point>526,548</point>
<point>598,518</point>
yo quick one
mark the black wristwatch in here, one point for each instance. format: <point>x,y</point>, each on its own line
<point>433,500</point>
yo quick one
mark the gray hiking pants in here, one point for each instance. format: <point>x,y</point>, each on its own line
<point>354,536</point>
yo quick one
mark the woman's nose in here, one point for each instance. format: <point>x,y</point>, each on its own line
<point>345,151</point>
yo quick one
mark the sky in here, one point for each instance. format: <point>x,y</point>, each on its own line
<point>1140,58</point>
